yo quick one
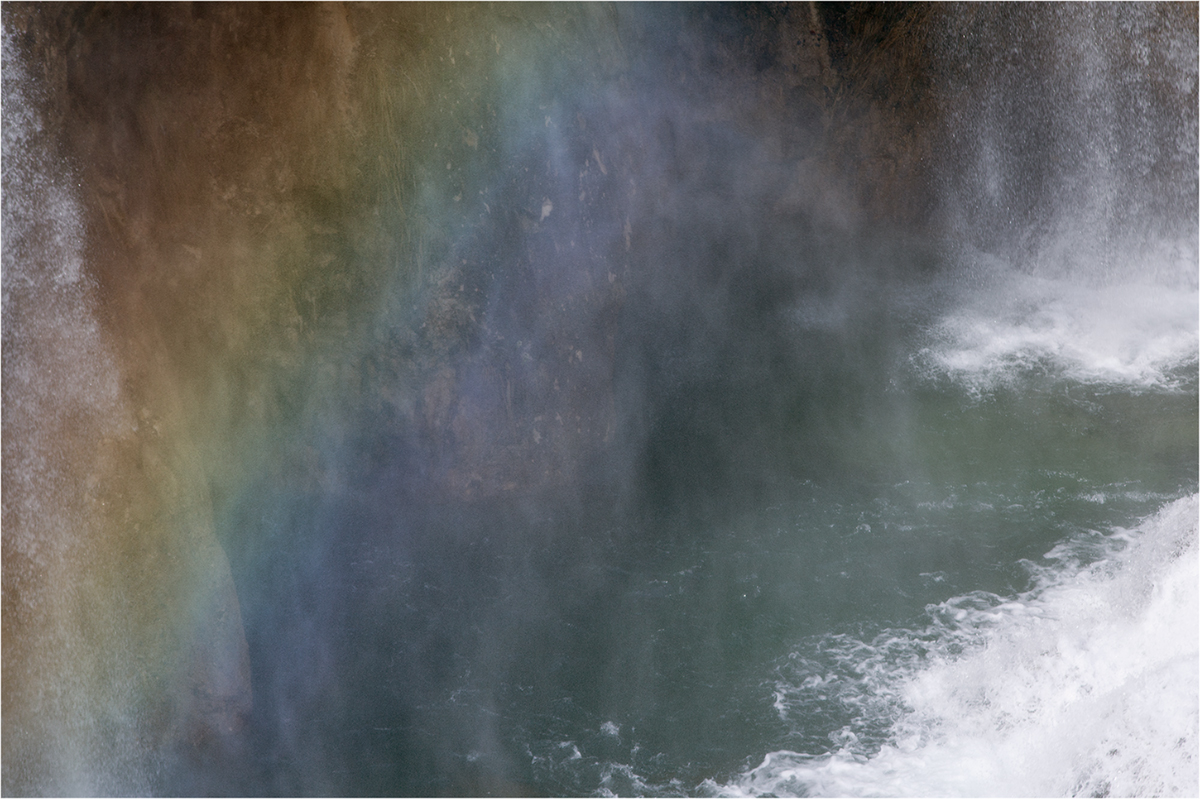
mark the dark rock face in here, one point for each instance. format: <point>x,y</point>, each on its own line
<point>257,217</point>
<point>432,251</point>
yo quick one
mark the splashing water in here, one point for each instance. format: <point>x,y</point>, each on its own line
<point>1140,336</point>
<point>1084,685</point>
<point>657,400</point>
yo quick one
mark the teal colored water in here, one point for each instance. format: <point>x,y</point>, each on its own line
<point>788,593</point>
<point>541,387</point>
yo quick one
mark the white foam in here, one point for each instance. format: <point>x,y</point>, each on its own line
<point>1085,685</point>
<point>1130,335</point>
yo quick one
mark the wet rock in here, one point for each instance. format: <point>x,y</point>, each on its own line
<point>433,245</point>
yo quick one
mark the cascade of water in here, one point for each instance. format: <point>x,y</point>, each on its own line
<point>592,399</point>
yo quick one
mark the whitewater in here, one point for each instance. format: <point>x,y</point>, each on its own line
<point>1083,686</point>
<point>1086,682</point>
<point>663,400</point>
<point>1010,610</point>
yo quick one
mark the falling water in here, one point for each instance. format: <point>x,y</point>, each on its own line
<point>600,400</point>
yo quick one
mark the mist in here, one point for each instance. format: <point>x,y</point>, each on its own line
<point>478,400</point>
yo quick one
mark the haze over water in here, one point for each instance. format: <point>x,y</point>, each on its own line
<point>600,400</point>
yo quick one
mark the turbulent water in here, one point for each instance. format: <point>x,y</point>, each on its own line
<point>848,509</point>
<point>1017,616</point>
<point>987,585</point>
<point>1077,675</point>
